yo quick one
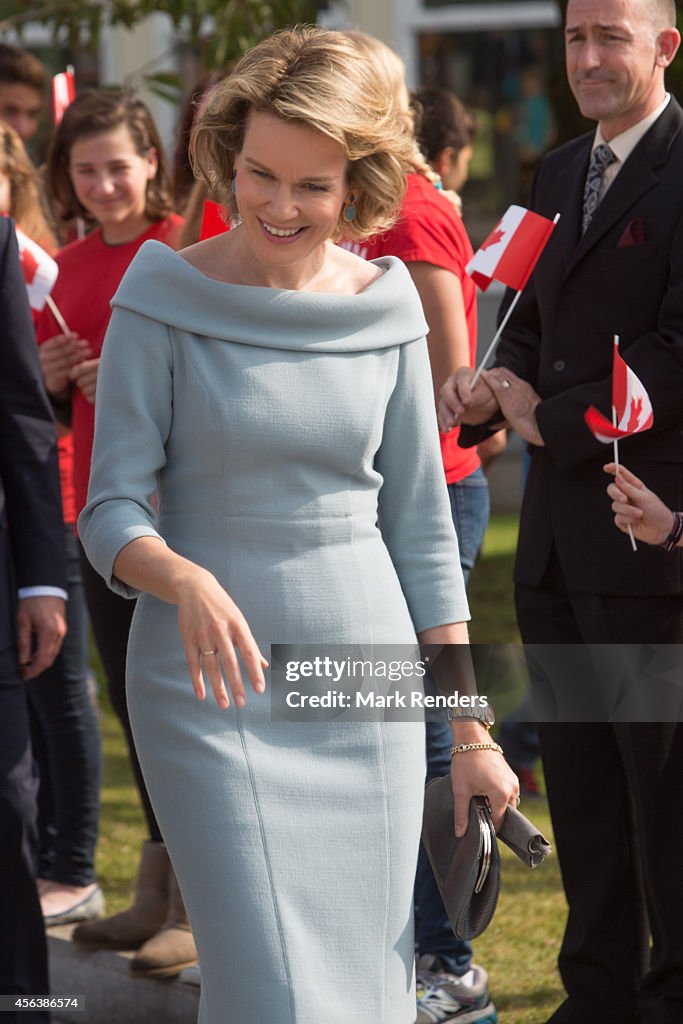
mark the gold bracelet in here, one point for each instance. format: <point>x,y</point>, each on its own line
<point>462,748</point>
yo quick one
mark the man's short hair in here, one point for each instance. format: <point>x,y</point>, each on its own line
<point>663,13</point>
<point>18,66</point>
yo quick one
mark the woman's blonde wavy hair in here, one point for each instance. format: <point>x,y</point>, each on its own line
<point>322,80</point>
<point>27,205</point>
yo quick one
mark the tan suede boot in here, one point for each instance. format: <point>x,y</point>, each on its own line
<point>172,948</point>
<point>133,927</point>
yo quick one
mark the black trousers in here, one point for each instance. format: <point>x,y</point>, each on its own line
<point>65,735</point>
<point>23,953</point>
<point>616,799</point>
<point>110,618</point>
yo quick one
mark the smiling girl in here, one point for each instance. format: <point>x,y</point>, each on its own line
<point>106,163</point>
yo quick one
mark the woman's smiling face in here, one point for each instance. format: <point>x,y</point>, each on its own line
<point>290,184</point>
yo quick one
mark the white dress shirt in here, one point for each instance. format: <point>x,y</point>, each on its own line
<point>42,592</point>
<point>623,145</point>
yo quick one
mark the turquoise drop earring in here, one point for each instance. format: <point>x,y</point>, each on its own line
<point>350,207</point>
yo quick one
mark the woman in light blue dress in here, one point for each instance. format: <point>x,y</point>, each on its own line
<point>274,391</point>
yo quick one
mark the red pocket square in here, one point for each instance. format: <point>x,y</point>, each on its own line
<point>634,234</point>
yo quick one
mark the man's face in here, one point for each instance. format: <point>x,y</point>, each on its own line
<point>21,107</point>
<point>614,61</point>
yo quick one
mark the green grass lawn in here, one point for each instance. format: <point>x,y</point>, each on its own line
<point>520,947</point>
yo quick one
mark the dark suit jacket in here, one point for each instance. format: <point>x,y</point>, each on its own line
<point>31,531</point>
<point>560,339</point>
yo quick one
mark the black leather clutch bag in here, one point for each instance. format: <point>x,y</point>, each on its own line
<point>467,869</point>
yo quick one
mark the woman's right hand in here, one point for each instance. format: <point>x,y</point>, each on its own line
<point>58,355</point>
<point>213,630</point>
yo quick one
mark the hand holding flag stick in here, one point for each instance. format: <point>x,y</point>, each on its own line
<point>631,410</point>
<point>509,255</point>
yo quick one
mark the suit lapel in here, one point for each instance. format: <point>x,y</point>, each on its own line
<point>635,179</point>
<point>567,196</point>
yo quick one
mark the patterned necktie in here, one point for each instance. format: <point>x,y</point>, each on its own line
<point>600,160</point>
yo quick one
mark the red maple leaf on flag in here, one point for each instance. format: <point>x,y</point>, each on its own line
<point>29,265</point>
<point>636,409</point>
<point>493,238</point>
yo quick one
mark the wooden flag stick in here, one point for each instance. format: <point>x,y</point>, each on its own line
<point>616,454</point>
<point>57,315</point>
<point>490,350</point>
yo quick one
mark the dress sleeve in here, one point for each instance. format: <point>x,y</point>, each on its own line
<point>133,415</point>
<point>414,510</point>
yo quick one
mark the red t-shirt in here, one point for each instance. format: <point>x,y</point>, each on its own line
<point>65,446</point>
<point>430,231</point>
<point>90,271</point>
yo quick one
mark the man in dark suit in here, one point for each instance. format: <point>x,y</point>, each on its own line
<point>614,265</point>
<point>32,626</point>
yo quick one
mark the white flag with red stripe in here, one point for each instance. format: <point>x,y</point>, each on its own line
<point>511,251</point>
<point>39,270</point>
<point>63,92</point>
<point>630,402</point>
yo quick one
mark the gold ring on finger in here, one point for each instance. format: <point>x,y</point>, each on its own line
<point>205,654</point>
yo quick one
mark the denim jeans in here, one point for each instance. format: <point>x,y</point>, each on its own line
<point>470,509</point>
<point>66,745</point>
<point>433,932</point>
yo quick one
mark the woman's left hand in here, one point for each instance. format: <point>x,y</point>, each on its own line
<point>84,376</point>
<point>482,773</point>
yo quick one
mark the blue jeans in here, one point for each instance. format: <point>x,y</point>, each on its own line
<point>433,933</point>
<point>470,509</point>
<point>66,746</point>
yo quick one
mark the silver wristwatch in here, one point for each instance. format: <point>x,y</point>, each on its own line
<point>483,714</point>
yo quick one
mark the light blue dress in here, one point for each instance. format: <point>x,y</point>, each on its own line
<point>292,440</point>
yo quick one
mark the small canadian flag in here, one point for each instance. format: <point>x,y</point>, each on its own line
<point>630,403</point>
<point>39,269</point>
<point>63,92</point>
<point>511,251</point>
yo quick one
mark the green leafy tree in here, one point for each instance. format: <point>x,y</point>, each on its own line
<point>220,29</point>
